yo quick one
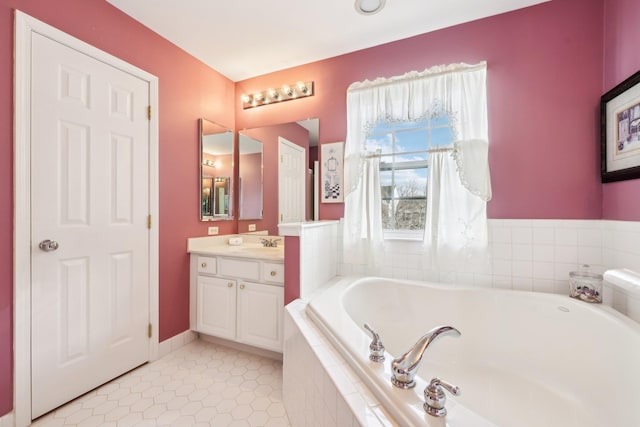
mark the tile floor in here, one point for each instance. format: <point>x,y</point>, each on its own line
<point>200,384</point>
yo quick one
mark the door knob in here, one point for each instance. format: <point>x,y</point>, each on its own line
<point>48,245</point>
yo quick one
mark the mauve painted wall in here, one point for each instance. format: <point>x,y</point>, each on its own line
<point>268,135</point>
<point>544,83</point>
<point>621,200</point>
<point>250,204</point>
<point>188,90</point>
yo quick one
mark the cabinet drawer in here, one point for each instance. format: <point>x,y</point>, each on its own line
<point>273,272</point>
<point>206,265</point>
<point>239,268</point>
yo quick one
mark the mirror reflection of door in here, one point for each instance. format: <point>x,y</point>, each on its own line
<point>216,170</point>
<point>250,175</point>
<point>207,193</point>
<point>221,196</point>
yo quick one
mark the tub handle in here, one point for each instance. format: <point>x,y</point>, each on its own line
<point>434,397</point>
<point>376,348</point>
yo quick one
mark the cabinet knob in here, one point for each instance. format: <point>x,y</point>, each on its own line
<point>273,273</point>
<point>241,286</point>
<point>204,265</point>
<point>230,285</point>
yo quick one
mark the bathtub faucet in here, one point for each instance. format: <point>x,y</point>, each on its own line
<point>269,243</point>
<point>404,368</point>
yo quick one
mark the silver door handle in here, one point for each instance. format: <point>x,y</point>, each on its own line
<point>48,245</point>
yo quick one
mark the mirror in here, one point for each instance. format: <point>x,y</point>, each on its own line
<point>216,171</point>
<point>304,135</point>
<point>250,178</point>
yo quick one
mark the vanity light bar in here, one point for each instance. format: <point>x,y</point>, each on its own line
<point>272,96</point>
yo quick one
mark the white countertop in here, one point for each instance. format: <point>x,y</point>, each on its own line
<point>250,247</point>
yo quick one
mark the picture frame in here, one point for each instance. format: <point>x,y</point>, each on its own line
<point>620,131</point>
<point>332,172</point>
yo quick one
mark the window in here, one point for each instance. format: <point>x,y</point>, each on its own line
<point>403,171</point>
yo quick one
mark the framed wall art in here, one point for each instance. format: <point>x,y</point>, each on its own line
<point>332,173</point>
<point>620,131</point>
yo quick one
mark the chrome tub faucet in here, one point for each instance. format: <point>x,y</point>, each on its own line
<point>405,367</point>
<point>269,243</point>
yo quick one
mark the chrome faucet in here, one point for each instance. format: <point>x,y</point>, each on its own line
<point>269,243</point>
<point>404,368</point>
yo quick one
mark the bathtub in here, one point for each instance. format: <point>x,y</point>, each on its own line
<point>523,359</point>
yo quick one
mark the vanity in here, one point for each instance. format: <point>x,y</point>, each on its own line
<point>237,292</point>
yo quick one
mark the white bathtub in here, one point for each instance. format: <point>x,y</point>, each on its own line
<point>524,359</point>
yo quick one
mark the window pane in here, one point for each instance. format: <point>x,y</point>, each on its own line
<point>413,157</point>
<point>440,120</point>
<point>411,141</point>
<point>410,214</point>
<point>441,136</point>
<point>382,142</point>
<point>411,183</point>
<point>386,181</point>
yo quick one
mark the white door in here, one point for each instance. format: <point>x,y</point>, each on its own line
<point>291,182</point>
<point>89,195</point>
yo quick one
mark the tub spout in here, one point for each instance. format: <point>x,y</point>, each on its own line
<point>404,368</point>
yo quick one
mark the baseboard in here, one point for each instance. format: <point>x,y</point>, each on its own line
<point>174,343</point>
<point>242,347</point>
<point>7,420</point>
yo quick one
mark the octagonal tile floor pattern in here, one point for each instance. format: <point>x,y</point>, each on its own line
<point>200,384</point>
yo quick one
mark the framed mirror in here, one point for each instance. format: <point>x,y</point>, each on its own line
<point>302,135</point>
<point>250,175</point>
<point>216,171</point>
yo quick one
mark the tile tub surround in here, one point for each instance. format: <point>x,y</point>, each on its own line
<point>319,388</point>
<point>531,255</point>
<point>200,384</point>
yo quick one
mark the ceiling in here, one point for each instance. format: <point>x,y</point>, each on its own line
<point>247,38</point>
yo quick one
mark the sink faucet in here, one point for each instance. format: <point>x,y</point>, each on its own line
<point>404,368</point>
<point>269,243</point>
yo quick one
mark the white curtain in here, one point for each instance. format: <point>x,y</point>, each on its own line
<point>363,238</point>
<point>456,224</point>
<point>457,90</point>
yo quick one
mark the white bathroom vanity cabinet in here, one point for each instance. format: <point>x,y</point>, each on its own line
<point>238,296</point>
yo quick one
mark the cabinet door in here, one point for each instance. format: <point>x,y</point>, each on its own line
<point>260,311</point>
<point>216,314</point>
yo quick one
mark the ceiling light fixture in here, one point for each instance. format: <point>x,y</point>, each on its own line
<point>272,96</point>
<point>369,7</point>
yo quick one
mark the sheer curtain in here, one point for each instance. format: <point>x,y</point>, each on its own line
<point>458,90</point>
<point>364,224</point>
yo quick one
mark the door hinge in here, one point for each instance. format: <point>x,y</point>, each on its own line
<point>149,222</point>
<point>149,112</point>
<point>281,217</point>
<point>150,331</point>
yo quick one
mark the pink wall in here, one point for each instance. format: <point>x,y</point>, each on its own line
<point>268,135</point>
<point>544,84</point>
<point>251,183</point>
<point>188,90</point>
<point>621,200</point>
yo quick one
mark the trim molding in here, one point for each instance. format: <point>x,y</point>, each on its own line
<point>25,26</point>
<point>7,420</point>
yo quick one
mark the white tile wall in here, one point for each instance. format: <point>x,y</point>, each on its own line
<point>535,255</point>
<point>319,388</point>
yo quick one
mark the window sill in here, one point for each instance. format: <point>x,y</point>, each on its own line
<point>403,235</point>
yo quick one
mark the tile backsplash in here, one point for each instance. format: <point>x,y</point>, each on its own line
<point>534,255</point>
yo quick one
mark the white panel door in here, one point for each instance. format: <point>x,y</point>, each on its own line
<point>260,311</point>
<point>291,182</point>
<point>90,195</point>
